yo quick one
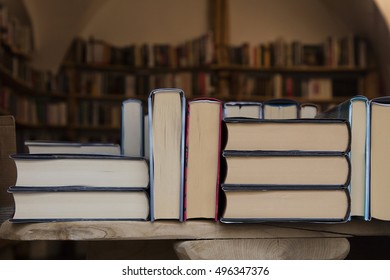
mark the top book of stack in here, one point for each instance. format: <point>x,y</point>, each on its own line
<point>303,135</point>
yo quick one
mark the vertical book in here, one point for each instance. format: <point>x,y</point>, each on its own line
<point>203,141</point>
<point>167,111</point>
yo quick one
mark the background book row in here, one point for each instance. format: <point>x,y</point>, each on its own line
<point>252,85</point>
<point>31,110</point>
<point>192,53</point>
<point>348,51</point>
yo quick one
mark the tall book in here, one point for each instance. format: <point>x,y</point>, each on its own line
<point>132,128</point>
<point>167,112</point>
<point>203,144</point>
<point>356,111</point>
<point>7,166</point>
<point>379,157</point>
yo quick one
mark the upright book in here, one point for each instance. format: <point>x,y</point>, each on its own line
<point>280,108</point>
<point>356,112</point>
<point>132,128</point>
<point>203,140</point>
<point>167,112</point>
<point>379,157</point>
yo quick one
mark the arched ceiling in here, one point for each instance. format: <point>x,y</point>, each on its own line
<point>56,22</point>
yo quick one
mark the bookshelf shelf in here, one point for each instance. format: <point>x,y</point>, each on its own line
<point>190,230</point>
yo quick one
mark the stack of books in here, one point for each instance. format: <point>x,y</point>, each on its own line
<point>72,187</point>
<point>70,181</point>
<point>286,170</point>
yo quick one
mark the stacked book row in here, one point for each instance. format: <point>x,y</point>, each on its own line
<point>205,159</point>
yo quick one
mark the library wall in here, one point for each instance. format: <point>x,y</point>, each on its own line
<point>257,21</point>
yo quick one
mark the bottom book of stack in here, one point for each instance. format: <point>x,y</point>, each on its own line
<point>66,187</point>
<point>285,204</point>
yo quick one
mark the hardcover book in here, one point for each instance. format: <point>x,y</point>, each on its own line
<point>45,204</point>
<point>379,157</point>
<point>285,168</point>
<point>356,112</point>
<point>314,135</point>
<point>242,109</point>
<point>56,170</point>
<point>167,112</point>
<point>285,205</point>
<point>62,147</point>
<point>280,108</point>
<point>204,117</point>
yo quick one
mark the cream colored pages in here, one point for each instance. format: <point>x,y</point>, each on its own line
<point>203,157</point>
<point>380,155</point>
<point>167,125</point>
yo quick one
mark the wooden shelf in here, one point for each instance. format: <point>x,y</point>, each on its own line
<point>191,230</point>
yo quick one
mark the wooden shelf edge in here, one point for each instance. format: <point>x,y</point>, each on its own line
<point>190,230</point>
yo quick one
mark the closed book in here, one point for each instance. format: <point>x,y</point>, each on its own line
<point>132,128</point>
<point>281,108</point>
<point>356,111</point>
<point>64,147</point>
<point>287,135</point>
<point>100,171</point>
<point>203,144</point>
<point>379,157</point>
<point>242,109</point>
<point>167,111</point>
<point>285,168</point>
<point>47,204</point>
<point>265,204</point>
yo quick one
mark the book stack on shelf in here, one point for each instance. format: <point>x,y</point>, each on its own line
<point>66,181</point>
<point>286,170</point>
<point>68,187</point>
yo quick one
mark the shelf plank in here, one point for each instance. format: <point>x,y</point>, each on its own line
<point>264,249</point>
<point>190,230</point>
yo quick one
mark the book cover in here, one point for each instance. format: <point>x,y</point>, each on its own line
<point>203,149</point>
<point>132,128</point>
<point>167,112</point>
<point>356,111</point>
